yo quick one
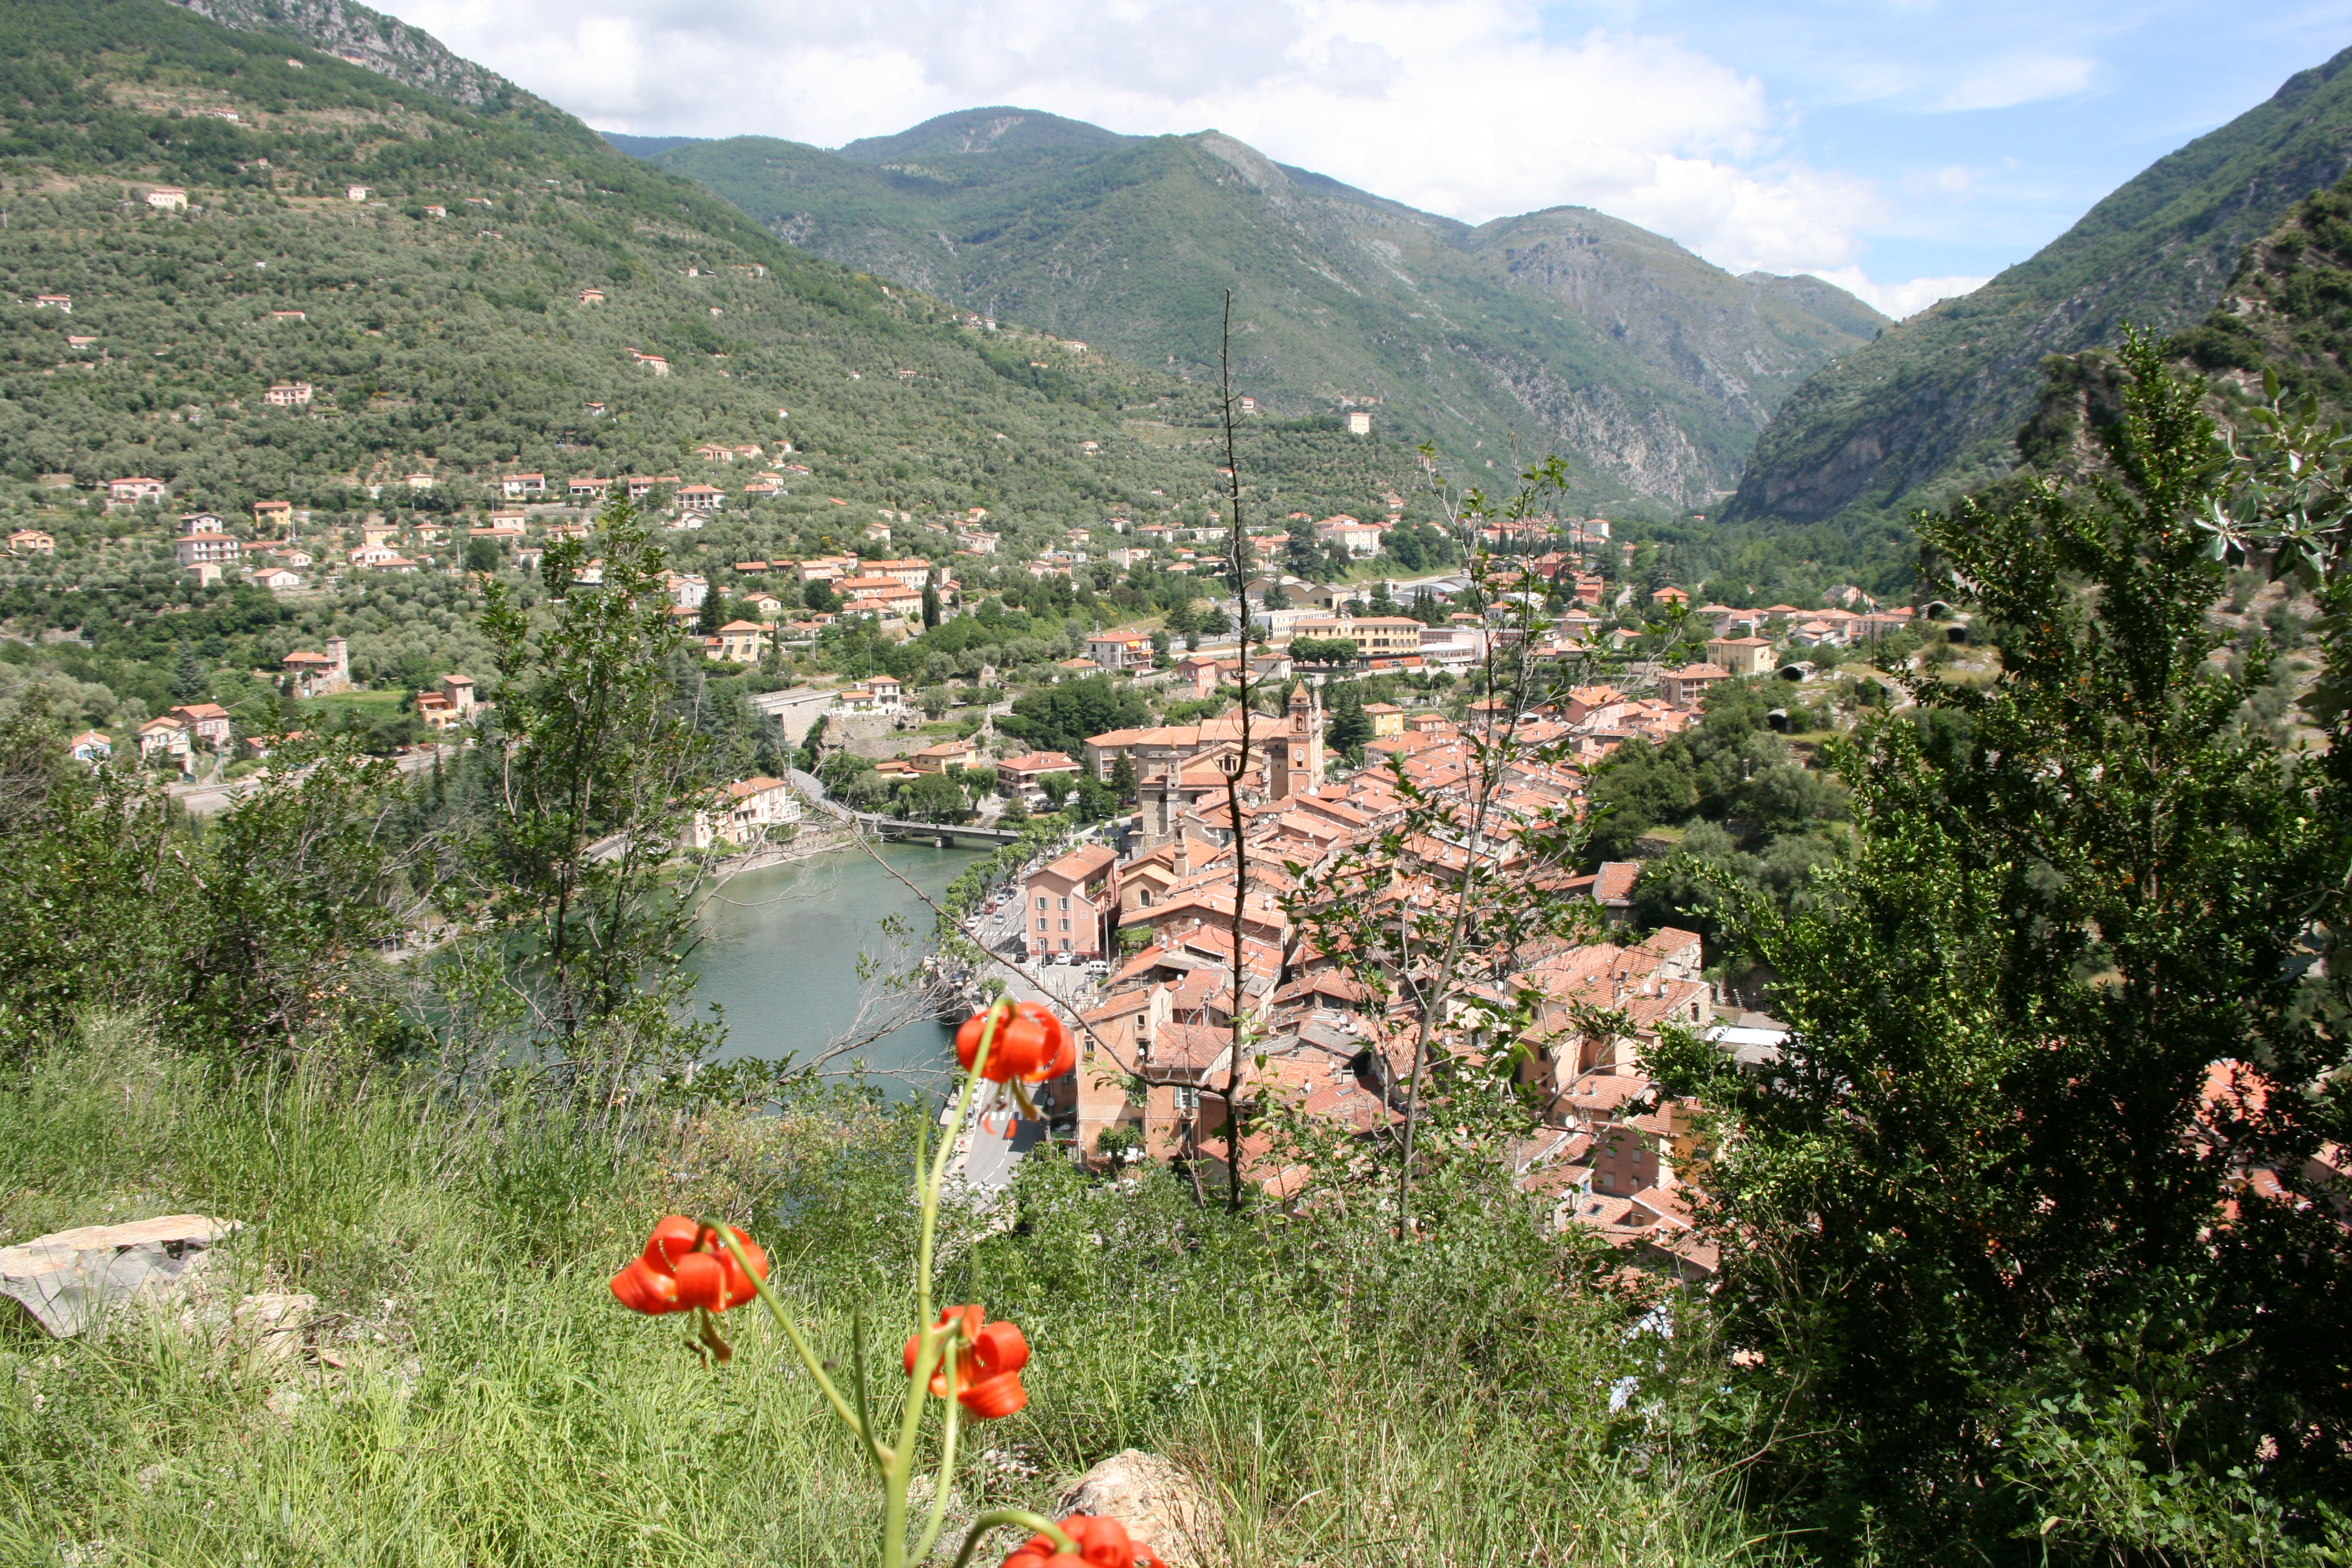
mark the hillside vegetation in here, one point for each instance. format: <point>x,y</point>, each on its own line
<point>1930,408</point>
<point>1650,370</point>
<point>455,345</point>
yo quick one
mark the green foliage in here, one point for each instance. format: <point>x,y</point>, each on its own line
<point>1060,718</point>
<point>598,771</point>
<point>1460,1382</point>
<point>932,798</point>
<point>1323,650</point>
<point>1991,1230</point>
<point>1727,767</point>
<point>1350,727</point>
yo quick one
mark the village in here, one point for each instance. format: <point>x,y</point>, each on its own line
<point>1150,919</point>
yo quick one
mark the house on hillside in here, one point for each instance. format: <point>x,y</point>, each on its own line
<point>166,737</point>
<point>1019,776</point>
<point>208,724</point>
<point>1741,655</point>
<point>879,694</point>
<point>738,642</point>
<point>207,545</point>
<point>447,705</point>
<point>1686,687</point>
<point>320,675</point>
<point>743,814</point>
<point>288,394</point>
<point>31,541</point>
<point>515,486</point>
<point>1357,538</point>
<point>130,491</point>
<point>947,754</point>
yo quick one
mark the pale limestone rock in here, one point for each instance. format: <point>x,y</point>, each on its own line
<point>70,1279</point>
<point>1160,1506</point>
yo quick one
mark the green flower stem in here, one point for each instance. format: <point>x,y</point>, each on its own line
<point>922,1548</point>
<point>930,1338</point>
<point>1035,1524</point>
<point>857,1363</point>
<point>882,1457</point>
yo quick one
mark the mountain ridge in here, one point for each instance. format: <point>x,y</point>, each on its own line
<point>1655,370</point>
<point>1932,406</point>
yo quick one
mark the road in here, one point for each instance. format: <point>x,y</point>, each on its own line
<point>991,1156</point>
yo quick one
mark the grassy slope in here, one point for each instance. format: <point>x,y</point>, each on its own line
<point>495,1405</point>
<point>1562,327</point>
<point>1933,406</point>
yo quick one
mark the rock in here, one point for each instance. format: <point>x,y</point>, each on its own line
<point>265,1333</point>
<point>1160,1506</point>
<point>70,1279</point>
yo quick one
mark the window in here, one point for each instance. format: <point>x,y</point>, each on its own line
<point>1188,1101</point>
<point>1041,900</point>
<point>1065,901</point>
<point>1041,922</point>
<point>1065,944</point>
<point>1066,925</point>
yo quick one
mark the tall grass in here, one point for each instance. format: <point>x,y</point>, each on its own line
<point>1345,1401</point>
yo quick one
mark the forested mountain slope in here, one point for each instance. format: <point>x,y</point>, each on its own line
<point>2289,308</point>
<point>1932,406</point>
<point>385,44</point>
<point>1649,368</point>
<point>448,324</point>
<point>439,317</point>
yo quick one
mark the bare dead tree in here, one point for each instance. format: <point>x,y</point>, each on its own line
<point>1237,550</point>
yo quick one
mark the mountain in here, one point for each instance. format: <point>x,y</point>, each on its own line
<point>1932,406</point>
<point>645,146</point>
<point>385,44</point>
<point>1652,371</point>
<point>2288,309</point>
<point>249,270</point>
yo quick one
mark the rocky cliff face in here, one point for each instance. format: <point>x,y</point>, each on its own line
<point>1933,406</point>
<point>385,44</point>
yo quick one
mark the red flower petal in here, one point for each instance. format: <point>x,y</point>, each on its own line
<point>702,1282</point>
<point>674,1236</point>
<point>993,1398</point>
<point>1000,1347</point>
<point>643,1288</point>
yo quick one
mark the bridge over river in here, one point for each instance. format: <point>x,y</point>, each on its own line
<point>946,834</point>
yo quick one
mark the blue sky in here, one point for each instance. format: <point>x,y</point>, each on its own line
<point>1905,149</point>
<point>1993,126</point>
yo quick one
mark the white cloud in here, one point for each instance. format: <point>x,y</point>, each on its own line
<point>2001,84</point>
<point>1461,107</point>
<point>1900,300</point>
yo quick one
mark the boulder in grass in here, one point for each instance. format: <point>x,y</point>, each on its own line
<point>69,1281</point>
<point>1161,1507</point>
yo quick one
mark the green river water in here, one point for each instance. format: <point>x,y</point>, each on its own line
<point>781,953</point>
